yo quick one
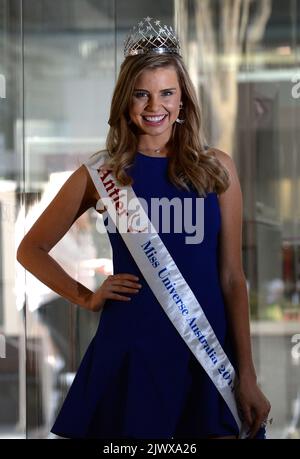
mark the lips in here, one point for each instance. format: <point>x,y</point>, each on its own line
<point>154,120</point>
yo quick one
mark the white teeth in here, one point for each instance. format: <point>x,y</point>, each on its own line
<point>154,118</point>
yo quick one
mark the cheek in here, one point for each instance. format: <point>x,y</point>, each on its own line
<point>173,106</point>
<point>136,108</point>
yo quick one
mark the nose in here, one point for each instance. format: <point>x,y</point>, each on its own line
<point>153,104</point>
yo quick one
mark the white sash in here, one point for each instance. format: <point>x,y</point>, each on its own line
<point>162,275</point>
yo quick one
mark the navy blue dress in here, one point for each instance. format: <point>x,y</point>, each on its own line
<point>138,378</point>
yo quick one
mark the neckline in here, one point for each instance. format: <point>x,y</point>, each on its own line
<point>152,157</point>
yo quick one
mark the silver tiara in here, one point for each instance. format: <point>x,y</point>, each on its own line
<point>151,37</point>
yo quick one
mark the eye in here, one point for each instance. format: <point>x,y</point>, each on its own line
<point>140,94</point>
<point>145,94</point>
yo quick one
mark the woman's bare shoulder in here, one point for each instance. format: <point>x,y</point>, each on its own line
<point>228,163</point>
<point>82,177</point>
<point>91,195</point>
<point>223,157</point>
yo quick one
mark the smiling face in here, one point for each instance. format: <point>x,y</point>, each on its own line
<point>155,105</point>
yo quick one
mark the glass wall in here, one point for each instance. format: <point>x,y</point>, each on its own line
<point>12,312</point>
<point>69,71</point>
<point>58,66</point>
<point>246,59</point>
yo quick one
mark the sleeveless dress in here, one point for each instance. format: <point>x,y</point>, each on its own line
<point>138,378</point>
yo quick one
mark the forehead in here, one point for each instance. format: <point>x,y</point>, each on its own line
<point>161,76</point>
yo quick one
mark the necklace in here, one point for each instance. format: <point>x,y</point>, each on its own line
<point>156,150</point>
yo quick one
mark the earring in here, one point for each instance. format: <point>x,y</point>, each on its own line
<point>178,120</point>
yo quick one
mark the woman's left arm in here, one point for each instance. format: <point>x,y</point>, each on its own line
<point>254,405</point>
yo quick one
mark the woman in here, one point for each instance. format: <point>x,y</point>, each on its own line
<point>138,378</point>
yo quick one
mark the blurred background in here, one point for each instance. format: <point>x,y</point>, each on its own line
<point>58,65</point>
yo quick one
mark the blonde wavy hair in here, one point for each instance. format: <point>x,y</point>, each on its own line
<point>190,163</point>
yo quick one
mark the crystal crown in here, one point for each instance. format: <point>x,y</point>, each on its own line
<point>149,36</point>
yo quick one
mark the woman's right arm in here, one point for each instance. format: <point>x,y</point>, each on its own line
<point>75,197</point>
<point>72,200</point>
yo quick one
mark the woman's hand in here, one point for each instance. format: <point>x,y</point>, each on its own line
<point>124,283</point>
<point>253,405</point>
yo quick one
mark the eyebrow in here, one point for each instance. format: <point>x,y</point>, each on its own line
<point>145,90</point>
